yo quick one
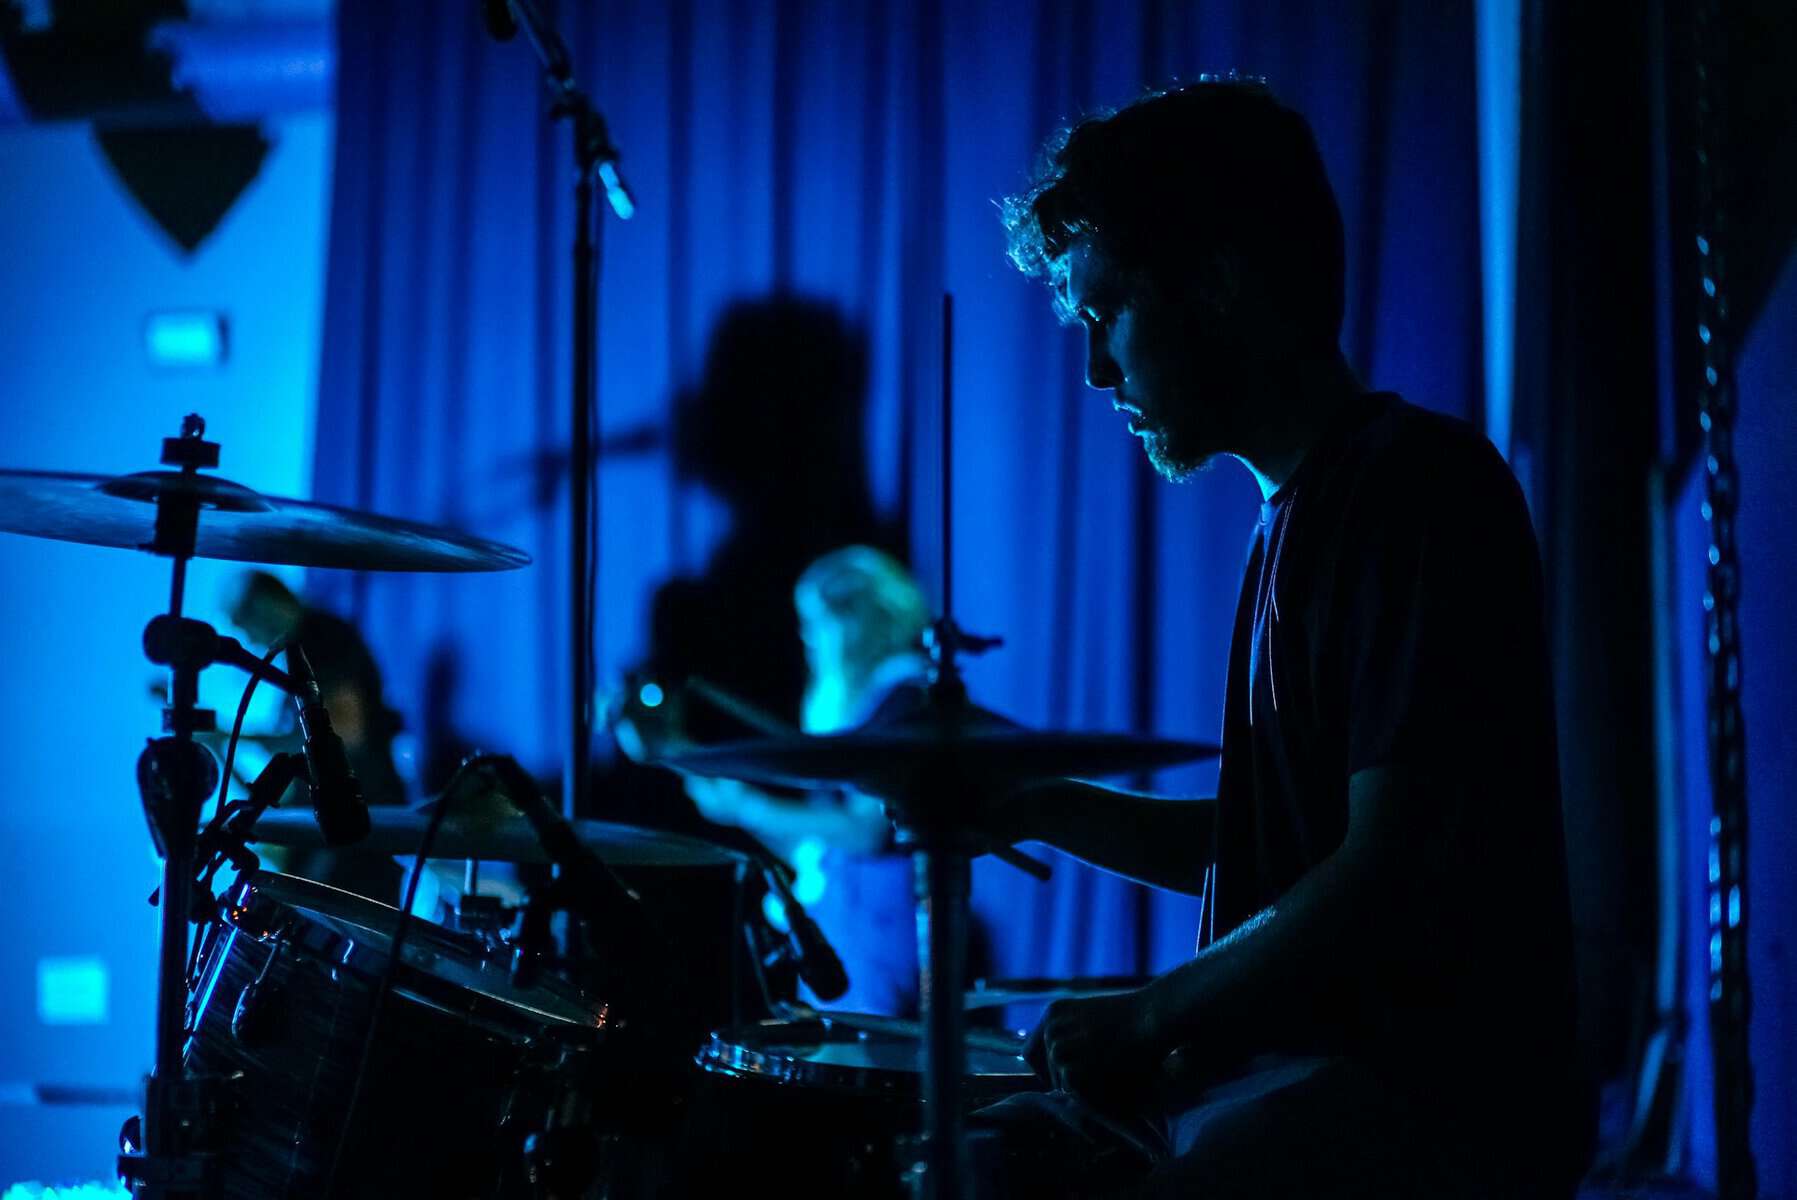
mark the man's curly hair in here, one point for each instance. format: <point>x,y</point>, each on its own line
<point>1162,185</point>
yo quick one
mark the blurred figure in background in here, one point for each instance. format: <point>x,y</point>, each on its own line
<point>861,622</point>
<point>267,611</point>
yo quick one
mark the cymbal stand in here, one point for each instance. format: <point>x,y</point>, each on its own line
<point>927,821</point>
<point>175,775</point>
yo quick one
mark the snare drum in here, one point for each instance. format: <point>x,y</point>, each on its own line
<point>283,1000</point>
<point>818,1105</point>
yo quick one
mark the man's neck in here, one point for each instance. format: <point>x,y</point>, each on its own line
<point>1297,412</point>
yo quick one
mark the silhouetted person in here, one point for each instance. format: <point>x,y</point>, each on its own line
<point>775,431</point>
<point>1382,1002</point>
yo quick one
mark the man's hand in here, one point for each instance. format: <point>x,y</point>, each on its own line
<point>1103,1049</point>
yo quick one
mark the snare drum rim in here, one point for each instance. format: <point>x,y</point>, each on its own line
<point>733,1054</point>
<point>266,906</point>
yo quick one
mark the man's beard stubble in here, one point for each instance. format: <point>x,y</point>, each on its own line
<point>1175,454</point>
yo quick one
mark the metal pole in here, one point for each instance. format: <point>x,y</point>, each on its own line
<point>943,882</point>
<point>582,507</point>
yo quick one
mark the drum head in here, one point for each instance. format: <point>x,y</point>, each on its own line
<point>441,967</point>
<point>860,1053</point>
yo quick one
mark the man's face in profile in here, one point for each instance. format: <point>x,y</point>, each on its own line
<point>1173,382</point>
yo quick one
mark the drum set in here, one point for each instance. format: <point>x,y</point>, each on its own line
<point>588,1042</point>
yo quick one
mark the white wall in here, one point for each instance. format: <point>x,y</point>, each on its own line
<point>80,266</point>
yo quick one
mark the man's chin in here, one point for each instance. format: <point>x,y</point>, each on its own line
<point>1172,458</point>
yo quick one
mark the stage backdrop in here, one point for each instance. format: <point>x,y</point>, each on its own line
<point>849,155</point>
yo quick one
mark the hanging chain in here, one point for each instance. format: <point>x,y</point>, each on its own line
<point>1729,1002</point>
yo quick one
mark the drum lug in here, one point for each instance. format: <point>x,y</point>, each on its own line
<point>258,1010</point>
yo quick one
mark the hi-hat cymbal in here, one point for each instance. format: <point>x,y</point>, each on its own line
<point>494,838</point>
<point>237,524</point>
<point>984,748</point>
<point>992,993</point>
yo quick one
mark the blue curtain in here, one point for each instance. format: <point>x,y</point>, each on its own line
<point>850,154</point>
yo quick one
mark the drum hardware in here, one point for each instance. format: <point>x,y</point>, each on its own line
<point>175,777</point>
<point>225,838</point>
<point>936,768</point>
<point>253,1015</point>
<point>832,1097</point>
<point>497,837</point>
<point>689,756</point>
<point>991,993</point>
<point>240,525</point>
<point>336,795</point>
<point>483,916</point>
<point>402,930</point>
<point>173,1151</point>
<point>813,956</point>
<point>304,961</point>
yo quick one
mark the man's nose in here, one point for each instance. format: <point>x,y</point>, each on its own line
<point>1102,372</point>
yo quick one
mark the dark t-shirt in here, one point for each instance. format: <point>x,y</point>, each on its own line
<point>1391,616</point>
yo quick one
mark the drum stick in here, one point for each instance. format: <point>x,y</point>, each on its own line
<point>758,719</point>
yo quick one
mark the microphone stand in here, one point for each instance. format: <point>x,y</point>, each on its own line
<point>594,156</point>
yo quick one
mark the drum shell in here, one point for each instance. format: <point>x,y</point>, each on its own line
<point>283,1002</point>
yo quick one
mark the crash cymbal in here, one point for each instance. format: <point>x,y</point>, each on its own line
<point>494,838</point>
<point>236,524</point>
<point>984,747</point>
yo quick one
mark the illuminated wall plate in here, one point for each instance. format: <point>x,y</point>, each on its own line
<point>186,338</point>
<point>72,991</point>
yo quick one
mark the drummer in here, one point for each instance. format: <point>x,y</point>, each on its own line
<point>1382,1002</point>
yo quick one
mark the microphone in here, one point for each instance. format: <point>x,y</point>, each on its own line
<point>185,642</point>
<point>336,795</point>
<point>818,964</point>
<point>499,20</point>
<point>599,895</point>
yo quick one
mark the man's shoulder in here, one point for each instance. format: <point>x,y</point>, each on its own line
<point>1413,459</point>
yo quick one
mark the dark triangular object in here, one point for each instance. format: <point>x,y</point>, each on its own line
<point>186,179</point>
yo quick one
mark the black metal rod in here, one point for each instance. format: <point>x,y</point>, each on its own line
<point>177,589</point>
<point>582,507</point>
<point>948,464</point>
<point>171,967</point>
<point>943,881</point>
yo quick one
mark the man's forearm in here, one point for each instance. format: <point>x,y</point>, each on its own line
<point>1385,891</point>
<point>1160,842</point>
<point>1239,992</point>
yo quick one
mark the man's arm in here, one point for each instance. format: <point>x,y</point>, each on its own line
<point>1358,908</point>
<point>1380,894</point>
<point>1161,842</point>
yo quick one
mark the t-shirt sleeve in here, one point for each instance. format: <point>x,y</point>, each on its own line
<point>1439,643</point>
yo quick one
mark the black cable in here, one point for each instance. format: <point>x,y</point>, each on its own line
<point>224,780</point>
<point>243,708</point>
<point>395,952</point>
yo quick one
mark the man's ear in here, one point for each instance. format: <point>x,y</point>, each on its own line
<point>1218,285</point>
